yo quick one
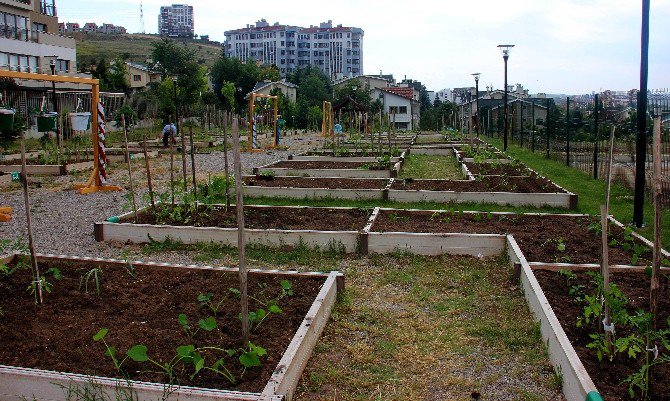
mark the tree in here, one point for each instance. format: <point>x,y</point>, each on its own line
<point>178,62</point>
<point>355,90</point>
<point>228,93</point>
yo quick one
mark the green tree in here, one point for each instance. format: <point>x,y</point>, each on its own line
<point>228,93</point>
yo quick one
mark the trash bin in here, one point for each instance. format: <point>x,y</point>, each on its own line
<point>47,122</point>
<point>6,119</point>
<point>80,121</point>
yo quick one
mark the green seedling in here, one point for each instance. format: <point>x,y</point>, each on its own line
<point>208,324</point>
<point>92,276</point>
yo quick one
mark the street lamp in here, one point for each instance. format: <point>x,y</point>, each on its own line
<point>505,52</point>
<point>477,75</point>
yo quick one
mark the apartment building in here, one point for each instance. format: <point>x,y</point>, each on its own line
<point>30,39</point>
<point>176,21</point>
<point>335,50</point>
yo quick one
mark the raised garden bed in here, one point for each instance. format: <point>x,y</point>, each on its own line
<point>348,156</point>
<point>315,188</point>
<point>269,225</point>
<point>433,150</point>
<point>546,238</point>
<point>330,169</point>
<point>506,169</point>
<point>519,191</point>
<point>140,303</point>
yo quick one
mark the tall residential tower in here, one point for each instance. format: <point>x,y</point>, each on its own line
<point>176,21</point>
<point>337,51</point>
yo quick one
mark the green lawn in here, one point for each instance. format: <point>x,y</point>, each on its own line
<point>431,167</point>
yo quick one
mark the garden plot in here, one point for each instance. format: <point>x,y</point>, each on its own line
<point>184,316</point>
<point>69,163</point>
<point>346,156</point>
<point>545,238</point>
<point>533,190</point>
<point>513,169</point>
<point>377,169</point>
<point>276,226</point>
<point>315,188</point>
<point>482,154</point>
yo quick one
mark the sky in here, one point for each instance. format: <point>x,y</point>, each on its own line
<point>561,46</point>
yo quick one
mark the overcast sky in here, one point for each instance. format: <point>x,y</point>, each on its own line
<point>562,46</point>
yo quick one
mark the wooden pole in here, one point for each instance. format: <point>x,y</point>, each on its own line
<point>195,186</point>
<point>225,159</point>
<point>172,169</point>
<point>239,204</point>
<point>148,168</point>
<point>31,245</point>
<point>605,271</point>
<point>130,171</point>
<point>609,170</point>
<point>656,265</point>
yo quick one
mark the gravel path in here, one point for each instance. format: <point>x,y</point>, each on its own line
<point>63,220</point>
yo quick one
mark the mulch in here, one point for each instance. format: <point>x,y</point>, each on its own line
<point>531,184</point>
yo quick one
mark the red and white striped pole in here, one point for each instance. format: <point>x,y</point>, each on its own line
<point>102,155</point>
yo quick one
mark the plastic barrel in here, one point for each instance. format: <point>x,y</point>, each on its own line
<point>80,121</point>
<point>47,122</point>
<point>6,119</point>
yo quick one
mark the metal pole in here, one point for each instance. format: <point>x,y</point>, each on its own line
<point>505,57</point>
<point>567,133</point>
<point>641,150</point>
<point>533,117</point>
<point>547,126</point>
<point>477,105</point>
<point>596,136</point>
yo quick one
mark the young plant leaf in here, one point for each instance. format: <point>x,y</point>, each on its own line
<point>185,351</point>
<point>208,324</point>
<point>250,359</point>
<point>274,308</point>
<point>183,320</point>
<point>138,353</point>
<point>100,335</point>
<point>111,351</point>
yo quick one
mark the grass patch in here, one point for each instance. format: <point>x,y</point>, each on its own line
<point>431,167</point>
<point>411,327</point>
<point>591,192</point>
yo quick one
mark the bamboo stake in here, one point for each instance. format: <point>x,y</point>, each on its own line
<point>225,159</point>
<point>148,168</point>
<point>31,245</point>
<point>239,204</point>
<point>656,265</point>
<point>604,266</point>
<point>130,171</point>
<point>195,186</point>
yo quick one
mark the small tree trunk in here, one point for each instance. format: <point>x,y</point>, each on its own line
<point>656,265</point>
<point>148,168</point>
<point>183,153</point>
<point>225,159</point>
<point>195,186</point>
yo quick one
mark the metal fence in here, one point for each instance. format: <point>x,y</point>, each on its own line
<point>581,139</point>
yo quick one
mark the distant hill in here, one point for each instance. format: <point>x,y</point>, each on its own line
<point>134,47</point>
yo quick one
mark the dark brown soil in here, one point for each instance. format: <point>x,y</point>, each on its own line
<point>58,335</point>
<point>29,162</point>
<point>538,236</point>
<point>329,183</point>
<point>509,169</point>
<point>278,218</point>
<point>532,184</point>
<point>608,376</point>
<point>348,154</point>
<point>320,165</point>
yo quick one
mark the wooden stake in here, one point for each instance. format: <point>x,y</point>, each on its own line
<point>31,245</point>
<point>609,170</point>
<point>172,169</point>
<point>148,168</point>
<point>656,265</point>
<point>605,269</point>
<point>195,186</point>
<point>130,171</point>
<point>225,159</point>
<point>239,204</point>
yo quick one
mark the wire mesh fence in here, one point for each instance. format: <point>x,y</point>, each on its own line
<point>580,138</point>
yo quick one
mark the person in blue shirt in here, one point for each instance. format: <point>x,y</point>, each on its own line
<point>169,132</point>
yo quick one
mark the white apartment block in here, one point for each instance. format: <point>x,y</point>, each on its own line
<point>30,39</point>
<point>337,51</point>
<point>176,21</point>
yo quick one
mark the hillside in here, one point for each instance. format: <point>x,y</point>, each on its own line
<point>133,47</point>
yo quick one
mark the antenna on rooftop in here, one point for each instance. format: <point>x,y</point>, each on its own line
<point>142,19</point>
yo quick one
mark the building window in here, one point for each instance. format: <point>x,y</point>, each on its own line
<point>137,78</point>
<point>63,65</point>
<point>402,110</point>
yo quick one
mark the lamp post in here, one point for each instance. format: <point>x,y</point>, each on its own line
<point>505,52</point>
<point>477,75</point>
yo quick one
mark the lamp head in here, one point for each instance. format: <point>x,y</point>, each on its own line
<point>505,49</point>
<point>476,75</point>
